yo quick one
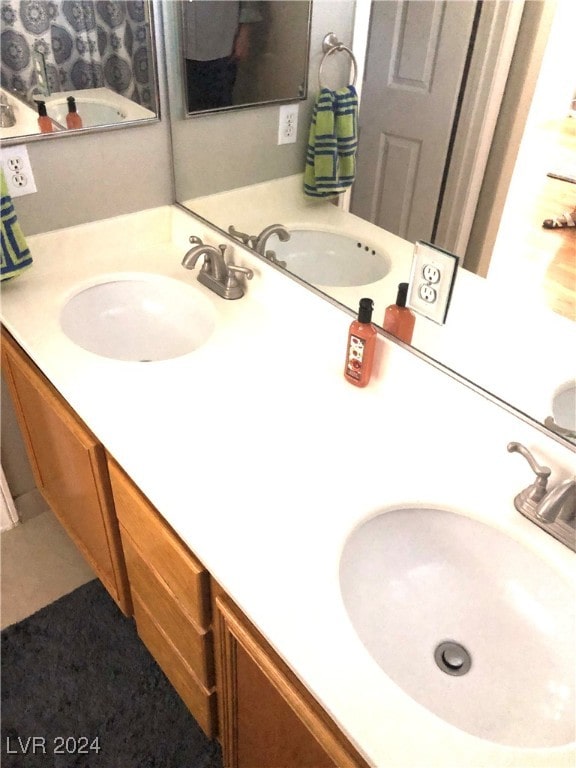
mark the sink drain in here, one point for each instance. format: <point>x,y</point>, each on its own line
<point>452,658</point>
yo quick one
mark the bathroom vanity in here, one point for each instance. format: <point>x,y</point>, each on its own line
<point>224,483</point>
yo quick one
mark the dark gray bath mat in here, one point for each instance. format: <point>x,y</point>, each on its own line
<point>80,690</point>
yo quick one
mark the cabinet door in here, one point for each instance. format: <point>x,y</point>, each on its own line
<point>69,466</point>
<point>267,717</point>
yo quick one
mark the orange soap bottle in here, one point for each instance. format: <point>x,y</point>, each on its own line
<point>73,119</point>
<point>398,319</point>
<point>361,346</point>
<point>43,120</point>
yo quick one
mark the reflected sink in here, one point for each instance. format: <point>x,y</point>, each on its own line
<point>564,406</point>
<point>93,112</point>
<point>139,317</point>
<point>331,259</point>
<point>468,622</point>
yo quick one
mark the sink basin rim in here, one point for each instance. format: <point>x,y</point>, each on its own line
<point>189,322</point>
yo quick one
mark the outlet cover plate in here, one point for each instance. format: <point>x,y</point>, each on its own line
<point>288,123</point>
<point>432,281</point>
<point>17,170</point>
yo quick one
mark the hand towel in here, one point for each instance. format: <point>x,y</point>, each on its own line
<point>15,253</point>
<point>331,155</point>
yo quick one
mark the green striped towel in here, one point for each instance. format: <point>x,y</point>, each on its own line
<point>15,253</point>
<point>331,155</point>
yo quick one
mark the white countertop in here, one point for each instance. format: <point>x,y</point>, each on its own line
<point>497,333</point>
<point>263,458</point>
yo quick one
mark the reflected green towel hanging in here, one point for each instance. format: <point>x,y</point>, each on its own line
<point>331,155</point>
<point>16,255</point>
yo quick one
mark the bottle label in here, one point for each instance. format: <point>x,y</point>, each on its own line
<point>355,355</point>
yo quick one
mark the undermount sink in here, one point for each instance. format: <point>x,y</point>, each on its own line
<point>329,258</point>
<point>468,622</point>
<point>139,317</point>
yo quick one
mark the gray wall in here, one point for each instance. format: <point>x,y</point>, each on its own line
<point>85,178</point>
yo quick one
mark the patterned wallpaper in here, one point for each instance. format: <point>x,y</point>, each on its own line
<point>85,43</point>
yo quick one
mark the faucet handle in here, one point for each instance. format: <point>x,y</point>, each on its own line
<point>241,270</point>
<point>243,237</point>
<point>541,472</point>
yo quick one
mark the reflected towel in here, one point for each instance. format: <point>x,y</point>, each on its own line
<point>15,253</point>
<point>331,155</point>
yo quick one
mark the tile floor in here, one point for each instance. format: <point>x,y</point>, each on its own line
<point>38,564</point>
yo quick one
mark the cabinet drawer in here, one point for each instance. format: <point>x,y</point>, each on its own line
<point>161,548</point>
<point>200,702</point>
<point>195,645</point>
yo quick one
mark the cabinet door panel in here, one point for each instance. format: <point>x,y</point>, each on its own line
<point>70,470</point>
<point>267,717</point>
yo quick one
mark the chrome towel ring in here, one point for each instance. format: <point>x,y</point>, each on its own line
<point>331,45</point>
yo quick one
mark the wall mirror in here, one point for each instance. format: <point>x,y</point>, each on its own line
<point>500,310</point>
<point>243,53</point>
<point>100,53</point>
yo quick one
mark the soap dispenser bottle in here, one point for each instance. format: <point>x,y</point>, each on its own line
<point>43,120</point>
<point>73,119</point>
<point>361,345</point>
<point>398,319</point>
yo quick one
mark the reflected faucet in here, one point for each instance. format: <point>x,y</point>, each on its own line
<point>258,242</point>
<point>273,229</point>
<point>7,116</point>
<point>215,273</point>
<point>554,510</point>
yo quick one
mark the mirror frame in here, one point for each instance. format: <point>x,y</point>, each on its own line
<point>155,28</point>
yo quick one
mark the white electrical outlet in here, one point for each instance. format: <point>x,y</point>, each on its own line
<point>431,281</point>
<point>17,170</point>
<point>288,123</point>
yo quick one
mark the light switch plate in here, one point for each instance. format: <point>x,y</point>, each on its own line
<point>431,281</point>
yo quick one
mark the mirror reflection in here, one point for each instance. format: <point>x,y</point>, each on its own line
<point>75,65</point>
<point>243,52</point>
<point>488,206</point>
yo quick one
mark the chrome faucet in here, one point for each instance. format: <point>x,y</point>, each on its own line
<point>215,273</point>
<point>555,510</point>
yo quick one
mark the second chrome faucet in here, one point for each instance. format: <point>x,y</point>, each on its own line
<point>216,274</point>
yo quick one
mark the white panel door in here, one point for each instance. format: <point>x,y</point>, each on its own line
<point>415,58</point>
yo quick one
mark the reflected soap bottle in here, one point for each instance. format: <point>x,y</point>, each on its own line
<point>361,344</point>
<point>398,319</point>
<point>43,120</point>
<point>73,119</point>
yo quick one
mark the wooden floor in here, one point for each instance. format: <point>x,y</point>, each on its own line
<point>557,246</point>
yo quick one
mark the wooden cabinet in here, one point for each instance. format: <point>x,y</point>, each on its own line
<point>267,717</point>
<point>171,596</point>
<point>69,467</point>
<point>263,715</point>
